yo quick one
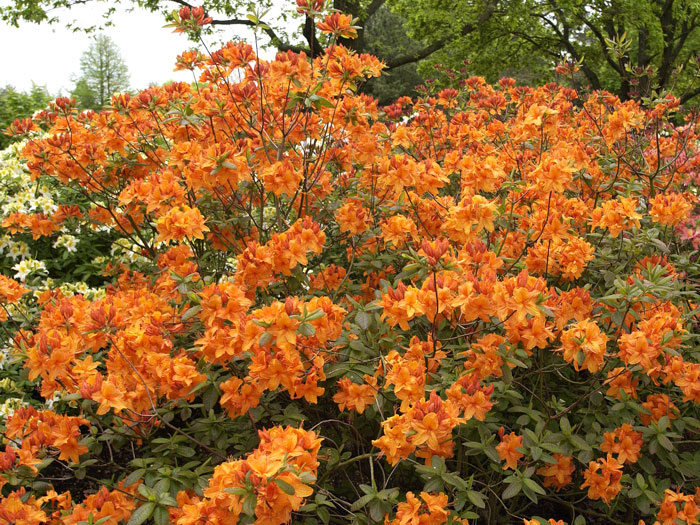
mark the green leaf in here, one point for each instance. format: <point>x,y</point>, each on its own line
<point>664,442</point>
<point>284,486</point>
<point>249,504</point>
<point>306,329</point>
<point>533,486</point>
<point>364,500</point>
<point>322,102</point>
<point>476,499</point>
<point>565,425</point>
<point>579,443</point>
<point>265,338</point>
<point>134,477</point>
<point>210,397</point>
<point>363,320</point>
<point>536,453</point>
<point>191,312</point>
<point>512,490</point>
<point>238,491</point>
<point>141,514</point>
<point>161,516</point>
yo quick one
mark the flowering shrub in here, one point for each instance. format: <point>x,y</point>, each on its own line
<point>477,304</point>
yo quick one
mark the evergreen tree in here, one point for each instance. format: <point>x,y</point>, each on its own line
<point>103,73</point>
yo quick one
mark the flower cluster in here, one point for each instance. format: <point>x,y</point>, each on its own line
<point>270,483</point>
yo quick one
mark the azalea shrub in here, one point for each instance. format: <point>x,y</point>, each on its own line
<point>480,305</point>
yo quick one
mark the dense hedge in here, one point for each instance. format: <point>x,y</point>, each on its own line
<point>296,305</point>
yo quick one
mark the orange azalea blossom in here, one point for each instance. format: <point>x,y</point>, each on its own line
<point>557,475</point>
<point>113,506</point>
<point>401,305</point>
<point>396,228</point>
<point>133,326</point>
<point>354,396</point>
<point>285,454</point>
<point>469,218</point>
<point>329,279</point>
<point>689,382</point>
<point>10,293</point>
<point>352,218</point>
<point>430,509</point>
<point>602,477</point>
<point>181,223</point>
<point>14,510</point>
<point>658,405</point>
<point>677,507</point>
<point>519,297</point>
<point>337,24</point>
<point>621,380</point>
<point>550,521</point>
<point>407,375</point>
<point>671,208</point>
<point>473,399</point>
<point>624,442</point>
<point>35,430</point>
<point>508,449</point>
<point>426,428</point>
<point>583,345</point>
<point>617,215</point>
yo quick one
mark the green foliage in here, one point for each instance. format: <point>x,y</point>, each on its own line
<point>18,105</point>
<point>627,47</point>
<point>386,37</point>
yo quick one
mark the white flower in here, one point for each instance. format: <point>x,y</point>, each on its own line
<point>69,242</point>
<point>23,249</point>
<point>22,269</point>
<point>27,267</point>
<point>8,407</point>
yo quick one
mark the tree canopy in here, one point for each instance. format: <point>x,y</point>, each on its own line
<point>626,46</point>
<point>103,72</point>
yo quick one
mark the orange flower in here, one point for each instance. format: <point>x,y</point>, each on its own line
<point>584,345</point>
<point>508,449</point>
<point>677,507</point>
<point>602,477</point>
<point>557,475</point>
<point>659,405</point>
<point>181,223</point>
<point>282,178</point>
<point>624,442</point>
<point>352,218</point>
<point>337,24</point>
<point>671,208</point>
<point>354,396</point>
<point>10,292</point>
<point>432,510</point>
<point>616,215</point>
<point>620,380</point>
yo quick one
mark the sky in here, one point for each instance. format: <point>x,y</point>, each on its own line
<point>49,55</point>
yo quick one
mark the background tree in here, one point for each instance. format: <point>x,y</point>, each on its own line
<point>386,36</point>
<point>627,46</point>
<point>103,73</point>
<point>17,104</point>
